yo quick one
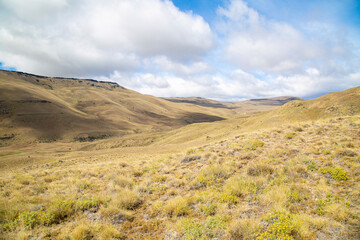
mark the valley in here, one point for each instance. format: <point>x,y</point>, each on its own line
<point>81,159</point>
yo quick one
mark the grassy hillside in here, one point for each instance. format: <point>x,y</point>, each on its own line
<point>297,181</point>
<point>290,173</point>
<point>34,108</point>
<point>344,103</point>
<point>247,106</point>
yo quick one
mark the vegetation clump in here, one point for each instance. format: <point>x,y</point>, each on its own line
<point>281,226</point>
<point>254,144</point>
<point>54,214</point>
<point>289,136</point>
<point>336,173</point>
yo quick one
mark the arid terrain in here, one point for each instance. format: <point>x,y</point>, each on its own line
<point>82,159</point>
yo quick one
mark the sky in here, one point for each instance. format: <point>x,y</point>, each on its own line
<point>227,50</point>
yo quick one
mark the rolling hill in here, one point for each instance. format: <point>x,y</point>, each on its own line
<point>290,173</point>
<point>247,106</point>
<point>36,108</point>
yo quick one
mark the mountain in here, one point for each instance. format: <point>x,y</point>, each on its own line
<point>247,106</point>
<point>342,103</point>
<point>45,108</point>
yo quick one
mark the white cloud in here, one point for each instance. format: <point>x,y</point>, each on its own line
<point>152,47</point>
<point>189,68</point>
<point>256,43</point>
<point>238,85</point>
<point>84,37</point>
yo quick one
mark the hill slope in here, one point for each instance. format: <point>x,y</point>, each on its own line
<point>34,107</point>
<point>343,103</point>
<point>247,106</point>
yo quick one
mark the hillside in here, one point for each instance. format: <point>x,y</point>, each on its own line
<point>343,103</point>
<point>296,181</point>
<point>289,173</point>
<point>46,109</point>
<point>247,106</point>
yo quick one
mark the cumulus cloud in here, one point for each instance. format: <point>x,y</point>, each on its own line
<point>236,86</point>
<point>153,47</point>
<point>256,43</point>
<point>179,68</point>
<point>84,37</point>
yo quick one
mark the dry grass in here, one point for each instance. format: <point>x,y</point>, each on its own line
<point>240,185</point>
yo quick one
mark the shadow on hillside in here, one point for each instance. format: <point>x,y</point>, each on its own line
<point>199,118</point>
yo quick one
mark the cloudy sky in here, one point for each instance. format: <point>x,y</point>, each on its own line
<point>221,49</point>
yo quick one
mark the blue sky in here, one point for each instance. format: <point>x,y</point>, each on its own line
<point>222,49</point>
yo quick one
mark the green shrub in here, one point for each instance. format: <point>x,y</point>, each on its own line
<point>280,227</point>
<point>214,226</point>
<point>192,229</point>
<point>29,219</point>
<point>294,196</point>
<point>88,203</point>
<point>254,144</point>
<point>212,175</point>
<point>55,213</point>
<point>228,198</point>
<point>336,173</point>
<point>320,206</point>
<point>311,166</point>
<point>241,187</point>
<point>289,136</point>
<point>208,209</point>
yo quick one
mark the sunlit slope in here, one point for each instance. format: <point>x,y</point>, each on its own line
<point>247,106</point>
<point>34,107</point>
<point>343,103</point>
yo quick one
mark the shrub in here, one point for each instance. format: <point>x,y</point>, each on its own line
<point>213,175</point>
<point>241,187</point>
<point>192,229</point>
<point>177,206</point>
<point>289,136</point>
<point>320,208</point>
<point>190,158</point>
<point>29,219</point>
<point>55,213</point>
<point>83,232</point>
<point>280,227</point>
<point>214,226</point>
<point>209,209</point>
<point>228,198</point>
<point>254,144</point>
<point>58,212</point>
<point>260,169</point>
<point>336,211</point>
<point>294,196</point>
<point>336,173</point>
<point>88,203</point>
<point>123,181</point>
<point>127,199</point>
<point>246,229</point>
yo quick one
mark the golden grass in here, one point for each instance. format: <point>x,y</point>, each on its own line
<point>232,191</point>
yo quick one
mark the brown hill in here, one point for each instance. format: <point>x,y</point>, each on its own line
<point>343,103</point>
<point>44,108</point>
<point>247,106</point>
